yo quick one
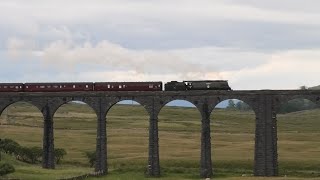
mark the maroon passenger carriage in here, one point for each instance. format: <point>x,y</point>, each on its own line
<point>58,86</point>
<point>80,86</point>
<point>11,87</point>
<point>90,86</point>
<point>128,86</point>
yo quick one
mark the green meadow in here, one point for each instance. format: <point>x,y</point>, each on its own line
<point>232,137</point>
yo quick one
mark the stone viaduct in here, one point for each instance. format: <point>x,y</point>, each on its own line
<point>264,103</point>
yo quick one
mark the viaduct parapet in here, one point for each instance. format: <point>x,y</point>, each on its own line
<point>265,104</point>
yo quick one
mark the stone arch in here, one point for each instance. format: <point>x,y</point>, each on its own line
<point>223,133</point>
<point>181,137</point>
<point>58,102</point>
<point>80,127</point>
<point>114,101</point>
<point>57,106</point>
<point>194,101</point>
<point>7,103</point>
<point>128,129</point>
<point>27,126</point>
<point>297,139</point>
<point>214,101</point>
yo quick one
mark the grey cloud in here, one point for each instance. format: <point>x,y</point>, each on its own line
<point>256,36</point>
<point>164,25</point>
<point>283,5</point>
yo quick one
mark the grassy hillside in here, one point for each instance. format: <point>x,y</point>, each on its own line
<point>315,87</point>
<point>179,138</point>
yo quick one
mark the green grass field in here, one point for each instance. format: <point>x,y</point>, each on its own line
<point>232,135</point>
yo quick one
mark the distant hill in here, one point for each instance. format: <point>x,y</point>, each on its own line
<point>315,88</point>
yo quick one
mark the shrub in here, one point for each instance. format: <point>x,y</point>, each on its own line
<point>29,155</point>
<point>6,168</point>
<point>59,153</point>
<point>92,158</point>
<point>9,146</point>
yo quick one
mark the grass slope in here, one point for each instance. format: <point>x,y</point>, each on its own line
<point>315,88</point>
<point>179,138</point>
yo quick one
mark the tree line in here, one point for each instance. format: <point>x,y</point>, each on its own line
<point>240,105</point>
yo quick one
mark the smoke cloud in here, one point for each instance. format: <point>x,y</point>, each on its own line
<point>66,55</point>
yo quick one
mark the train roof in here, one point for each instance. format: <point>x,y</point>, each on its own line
<point>207,81</point>
<point>130,82</point>
<point>50,83</point>
<point>11,84</point>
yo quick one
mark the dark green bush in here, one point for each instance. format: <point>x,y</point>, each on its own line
<point>9,146</point>
<point>92,158</point>
<point>29,154</point>
<point>59,153</point>
<point>6,168</point>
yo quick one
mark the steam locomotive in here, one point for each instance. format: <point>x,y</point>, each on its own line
<point>197,85</point>
<point>115,86</point>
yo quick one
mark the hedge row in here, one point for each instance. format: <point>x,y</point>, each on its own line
<point>30,155</point>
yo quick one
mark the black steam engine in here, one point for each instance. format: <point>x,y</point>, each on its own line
<point>197,85</point>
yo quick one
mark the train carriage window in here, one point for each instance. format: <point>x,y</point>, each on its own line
<point>55,86</point>
<point>120,86</point>
<point>108,85</point>
<point>150,85</point>
<point>5,87</point>
<point>17,87</point>
<point>87,86</point>
<point>27,86</point>
<point>60,86</point>
<point>74,86</point>
<point>20,87</point>
<point>42,87</point>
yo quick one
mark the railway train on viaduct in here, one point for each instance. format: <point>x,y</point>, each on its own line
<point>115,86</point>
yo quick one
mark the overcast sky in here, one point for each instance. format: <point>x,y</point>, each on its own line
<point>265,44</point>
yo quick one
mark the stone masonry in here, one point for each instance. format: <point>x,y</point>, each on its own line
<point>265,104</point>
